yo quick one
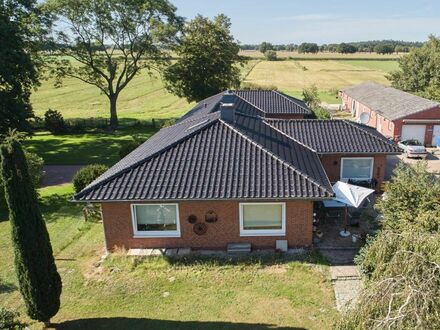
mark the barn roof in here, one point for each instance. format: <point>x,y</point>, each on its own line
<point>390,102</point>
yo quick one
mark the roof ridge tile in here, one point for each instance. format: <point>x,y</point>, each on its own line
<point>295,169</point>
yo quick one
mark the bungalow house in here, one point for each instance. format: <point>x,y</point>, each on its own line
<point>230,171</point>
<point>394,113</point>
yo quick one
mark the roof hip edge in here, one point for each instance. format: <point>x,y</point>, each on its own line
<point>136,164</point>
<point>304,175</point>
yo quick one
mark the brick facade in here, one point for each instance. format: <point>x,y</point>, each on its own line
<point>393,129</point>
<point>332,166</point>
<point>118,227</point>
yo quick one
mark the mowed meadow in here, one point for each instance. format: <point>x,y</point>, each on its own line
<point>146,97</point>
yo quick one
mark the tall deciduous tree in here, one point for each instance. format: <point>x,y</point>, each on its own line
<point>40,283</point>
<point>207,60</point>
<point>265,46</point>
<point>110,41</point>
<point>419,70</point>
<point>21,28</point>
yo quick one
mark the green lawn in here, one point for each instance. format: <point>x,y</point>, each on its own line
<point>385,66</point>
<point>131,293</point>
<point>78,149</point>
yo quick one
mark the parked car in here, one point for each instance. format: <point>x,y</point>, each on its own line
<point>413,148</point>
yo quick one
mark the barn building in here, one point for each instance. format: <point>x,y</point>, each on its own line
<point>396,114</point>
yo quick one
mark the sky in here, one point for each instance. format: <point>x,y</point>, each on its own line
<point>321,21</point>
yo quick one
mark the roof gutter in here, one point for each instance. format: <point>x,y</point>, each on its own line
<point>202,200</point>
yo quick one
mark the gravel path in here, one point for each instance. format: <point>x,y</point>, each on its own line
<point>347,285</point>
<point>59,174</point>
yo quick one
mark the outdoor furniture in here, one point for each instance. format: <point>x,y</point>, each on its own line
<point>347,195</point>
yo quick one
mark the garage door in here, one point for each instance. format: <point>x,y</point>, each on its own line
<point>435,134</point>
<point>413,132</point>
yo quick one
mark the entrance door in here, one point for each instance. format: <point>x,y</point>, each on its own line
<point>416,132</point>
<point>435,135</point>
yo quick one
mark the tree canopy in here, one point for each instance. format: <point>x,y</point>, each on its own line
<point>419,71</point>
<point>207,60</point>
<point>346,48</point>
<point>22,26</point>
<point>107,43</point>
<point>307,47</point>
<point>384,49</point>
<point>265,46</point>
<point>402,263</point>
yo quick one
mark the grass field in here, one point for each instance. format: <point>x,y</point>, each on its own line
<point>322,55</point>
<point>146,98</point>
<point>326,75</point>
<point>81,149</point>
<point>127,293</point>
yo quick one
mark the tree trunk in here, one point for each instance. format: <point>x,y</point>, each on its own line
<point>114,122</point>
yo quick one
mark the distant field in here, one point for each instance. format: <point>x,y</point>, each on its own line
<point>293,76</point>
<point>146,98</point>
<point>325,55</point>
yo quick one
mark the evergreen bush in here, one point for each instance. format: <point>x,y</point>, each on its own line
<point>38,278</point>
<point>87,175</point>
<point>54,122</point>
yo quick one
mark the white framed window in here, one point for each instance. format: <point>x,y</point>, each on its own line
<point>353,108</point>
<point>262,219</point>
<point>357,168</point>
<point>155,220</point>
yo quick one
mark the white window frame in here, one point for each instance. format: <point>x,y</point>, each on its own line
<point>264,232</point>
<point>354,158</point>
<point>157,233</point>
<point>354,108</point>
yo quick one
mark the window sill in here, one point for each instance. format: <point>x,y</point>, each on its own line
<point>170,235</point>
<point>254,234</point>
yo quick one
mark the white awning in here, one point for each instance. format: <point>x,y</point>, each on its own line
<point>349,194</point>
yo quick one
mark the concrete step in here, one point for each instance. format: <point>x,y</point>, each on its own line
<point>239,248</point>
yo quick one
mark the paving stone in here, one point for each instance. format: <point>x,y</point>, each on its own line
<point>344,272</point>
<point>157,252</point>
<point>183,252</point>
<point>139,252</point>
<point>171,252</point>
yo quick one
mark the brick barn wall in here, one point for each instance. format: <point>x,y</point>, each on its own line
<point>383,125</point>
<point>332,166</point>
<point>431,114</point>
<point>118,227</point>
<point>393,129</point>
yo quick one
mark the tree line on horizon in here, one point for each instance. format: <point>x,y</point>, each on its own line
<point>371,46</point>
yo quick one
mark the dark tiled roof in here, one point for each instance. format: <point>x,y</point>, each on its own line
<point>274,102</point>
<point>210,154</point>
<point>217,161</point>
<point>164,139</point>
<point>335,136</point>
<point>388,101</point>
<point>251,102</point>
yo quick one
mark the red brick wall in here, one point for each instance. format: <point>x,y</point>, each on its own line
<point>431,114</point>
<point>332,166</point>
<point>389,128</point>
<point>118,227</point>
